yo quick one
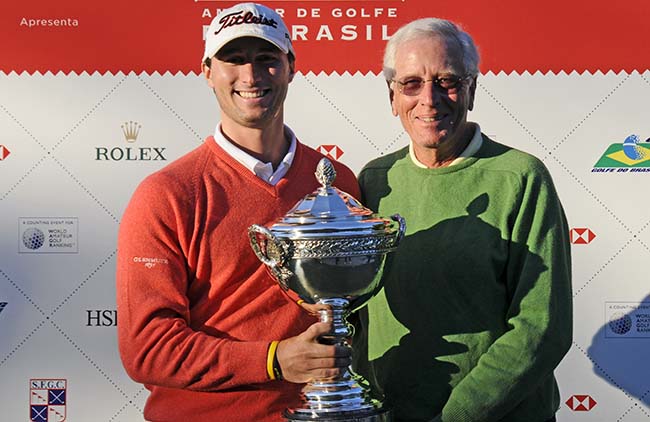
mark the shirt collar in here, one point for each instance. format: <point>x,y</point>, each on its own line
<point>261,169</point>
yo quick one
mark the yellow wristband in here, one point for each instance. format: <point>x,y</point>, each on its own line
<point>270,357</point>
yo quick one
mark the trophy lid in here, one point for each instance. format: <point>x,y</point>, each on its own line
<point>329,212</point>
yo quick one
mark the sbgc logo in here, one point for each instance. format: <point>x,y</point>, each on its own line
<point>47,400</point>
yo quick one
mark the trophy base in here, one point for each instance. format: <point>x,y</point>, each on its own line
<point>374,415</point>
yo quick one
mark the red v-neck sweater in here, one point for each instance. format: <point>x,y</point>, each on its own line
<point>197,308</point>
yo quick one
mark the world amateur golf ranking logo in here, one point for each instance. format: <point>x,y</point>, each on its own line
<point>630,156</point>
<point>627,320</point>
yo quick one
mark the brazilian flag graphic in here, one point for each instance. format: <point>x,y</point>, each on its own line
<point>630,154</point>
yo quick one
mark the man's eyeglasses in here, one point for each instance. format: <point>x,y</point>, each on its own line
<point>444,84</point>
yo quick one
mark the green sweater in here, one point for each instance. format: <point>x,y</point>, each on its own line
<point>476,310</point>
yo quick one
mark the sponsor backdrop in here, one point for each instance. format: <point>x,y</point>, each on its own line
<point>94,96</point>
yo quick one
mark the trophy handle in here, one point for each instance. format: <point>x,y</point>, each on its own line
<point>262,255</point>
<point>402,228</point>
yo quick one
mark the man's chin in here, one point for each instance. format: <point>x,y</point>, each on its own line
<point>255,122</point>
<point>438,142</point>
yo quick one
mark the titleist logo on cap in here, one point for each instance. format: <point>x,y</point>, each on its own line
<point>249,18</point>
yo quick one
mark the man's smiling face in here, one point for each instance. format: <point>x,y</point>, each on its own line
<point>250,78</point>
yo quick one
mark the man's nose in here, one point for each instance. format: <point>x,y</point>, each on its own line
<point>430,94</point>
<point>248,73</point>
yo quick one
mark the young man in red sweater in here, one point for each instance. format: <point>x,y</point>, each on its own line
<point>201,320</point>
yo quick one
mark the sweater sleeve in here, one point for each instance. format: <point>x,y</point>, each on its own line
<point>539,317</point>
<point>157,343</point>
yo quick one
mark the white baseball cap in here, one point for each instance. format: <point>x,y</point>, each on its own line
<point>247,20</point>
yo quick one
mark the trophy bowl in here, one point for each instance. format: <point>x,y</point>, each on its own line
<point>327,253</point>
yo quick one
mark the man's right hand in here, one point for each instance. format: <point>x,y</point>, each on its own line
<point>303,359</point>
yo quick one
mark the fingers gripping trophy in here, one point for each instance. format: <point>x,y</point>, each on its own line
<point>327,251</point>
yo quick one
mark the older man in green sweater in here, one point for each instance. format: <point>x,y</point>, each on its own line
<point>476,312</point>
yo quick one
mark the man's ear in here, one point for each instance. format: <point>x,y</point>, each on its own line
<point>207,73</point>
<point>292,69</point>
<point>472,92</point>
<point>391,97</point>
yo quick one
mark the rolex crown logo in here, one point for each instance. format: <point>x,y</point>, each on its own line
<point>131,131</point>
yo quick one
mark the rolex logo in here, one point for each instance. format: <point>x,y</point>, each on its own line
<point>131,131</point>
<point>2,305</point>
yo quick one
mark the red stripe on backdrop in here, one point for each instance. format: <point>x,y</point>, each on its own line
<point>329,36</point>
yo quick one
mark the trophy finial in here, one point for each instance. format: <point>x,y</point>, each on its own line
<point>325,173</point>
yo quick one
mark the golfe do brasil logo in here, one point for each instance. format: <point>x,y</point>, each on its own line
<point>630,156</point>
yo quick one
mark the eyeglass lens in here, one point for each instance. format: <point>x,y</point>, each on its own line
<point>414,86</point>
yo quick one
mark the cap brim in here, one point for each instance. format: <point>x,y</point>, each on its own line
<point>216,49</point>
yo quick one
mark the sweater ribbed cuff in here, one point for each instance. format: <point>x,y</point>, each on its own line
<point>246,360</point>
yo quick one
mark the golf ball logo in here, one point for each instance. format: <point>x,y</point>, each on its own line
<point>620,323</point>
<point>33,238</point>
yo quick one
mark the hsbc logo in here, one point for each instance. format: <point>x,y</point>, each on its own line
<point>101,318</point>
<point>4,152</point>
<point>581,403</point>
<point>330,151</point>
<point>581,236</point>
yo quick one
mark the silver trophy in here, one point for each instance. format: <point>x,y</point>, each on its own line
<point>327,251</point>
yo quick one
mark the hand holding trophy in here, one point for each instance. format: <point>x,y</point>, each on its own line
<point>328,251</point>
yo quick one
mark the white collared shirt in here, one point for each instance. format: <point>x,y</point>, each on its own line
<point>471,149</point>
<point>262,170</point>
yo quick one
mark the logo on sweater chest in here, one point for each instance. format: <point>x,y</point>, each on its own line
<point>47,400</point>
<point>130,131</point>
<point>150,262</point>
